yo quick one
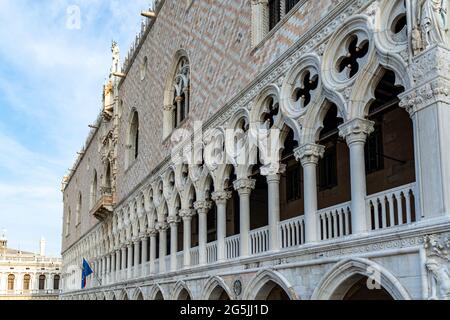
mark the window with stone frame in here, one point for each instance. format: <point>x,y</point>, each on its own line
<point>26,282</point>
<point>133,139</point>
<point>266,14</point>
<point>68,217</point>
<point>41,282</point>
<point>78,211</point>
<point>56,280</point>
<point>11,280</point>
<point>181,92</point>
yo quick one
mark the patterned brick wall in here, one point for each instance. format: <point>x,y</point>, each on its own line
<point>216,35</point>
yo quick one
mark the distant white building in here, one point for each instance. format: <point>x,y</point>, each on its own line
<point>27,275</point>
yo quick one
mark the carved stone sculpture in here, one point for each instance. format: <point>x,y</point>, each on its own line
<point>433,21</point>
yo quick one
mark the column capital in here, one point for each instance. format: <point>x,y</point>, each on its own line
<point>221,197</point>
<point>309,153</point>
<point>173,220</point>
<point>186,213</point>
<point>153,232</point>
<point>244,185</point>
<point>202,206</point>
<point>272,173</point>
<point>356,130</point>
<point>162,226</point>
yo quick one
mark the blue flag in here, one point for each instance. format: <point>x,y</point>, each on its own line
<point>85,273</point>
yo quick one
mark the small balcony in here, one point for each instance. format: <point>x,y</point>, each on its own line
<point>104,205</point>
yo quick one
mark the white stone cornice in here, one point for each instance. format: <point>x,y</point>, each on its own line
<point>356,130</point>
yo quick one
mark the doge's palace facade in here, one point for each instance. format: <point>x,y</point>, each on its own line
<point>175,196</point>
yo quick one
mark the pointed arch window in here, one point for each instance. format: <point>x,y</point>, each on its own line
<point>94,190</point>
<point>79,207</point>
<point>177,95</point>
<point>68,217</point>
<point>181,91</point>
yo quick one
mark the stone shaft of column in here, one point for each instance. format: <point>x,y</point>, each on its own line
<point>187,241</point>
<point>358,186</point>
<point>152,252</point>
<point>130,259</point>
<point>136,253</point>
<point>221,229</point>
<point>273,187</point>
<point>202,235</point>
<point>124,258</point>
<point>173,245</point>
<point>244,187</point>
<point>355,132</point>
<point>162,250</point>
<point>144,253</point>
<point>310,199</point>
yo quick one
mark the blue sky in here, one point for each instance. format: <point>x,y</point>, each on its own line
<point>51,79</point>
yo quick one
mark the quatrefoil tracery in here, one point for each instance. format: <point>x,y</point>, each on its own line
<point>303,93</point>
<point>271,114</point>
<point>350,62</point>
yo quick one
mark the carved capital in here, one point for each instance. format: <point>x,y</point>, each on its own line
<point>309,153</point>
<point>430,93</point>
<point>162,226</point>
<point>153,232</point>
<point>356,130</point>
<point>202,206</point>
<point>186,213</point>
<point>244,185</point>
<point>173,220</point>
<point>221,197</point>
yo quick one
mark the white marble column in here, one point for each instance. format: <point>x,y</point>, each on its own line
<point>162,228</point>
<point>244,188</point>
<point>130,259</point>
<point>137,254</point>
<point>173,222</point>
<point>153,234</point>
<point>124,257</point>
<point>108,268</point>
<point>186,215</point>
<point>202,208</point>
<point>309,155</point>
<point>355,133</point>
<point>273,191</point>
<point>144,254</point>
<point>221,198</point>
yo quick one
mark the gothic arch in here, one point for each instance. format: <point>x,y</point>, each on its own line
<point>343,275</point>
<point>255,288</point>
<point>211,285</point>
<point>179,287</point>
<point>137,294</point>
<point>122,295</point>
<point>154,292</point>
